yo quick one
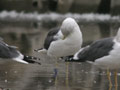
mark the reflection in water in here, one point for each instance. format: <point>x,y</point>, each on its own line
<point>40,83</point>
<point>75,76</point>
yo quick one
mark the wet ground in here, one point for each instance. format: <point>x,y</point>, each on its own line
<point>29,35</point>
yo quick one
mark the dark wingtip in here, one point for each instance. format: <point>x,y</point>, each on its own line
<point>32,60</point>
<point>70,59</point>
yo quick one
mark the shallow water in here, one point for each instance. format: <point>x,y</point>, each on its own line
<point>29,35</point>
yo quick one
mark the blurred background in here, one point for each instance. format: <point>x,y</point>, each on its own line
<point>25,24</point>
<point>62,6</point>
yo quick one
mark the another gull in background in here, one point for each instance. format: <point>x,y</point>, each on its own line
<point>10,52</point>
<point>104,53</point>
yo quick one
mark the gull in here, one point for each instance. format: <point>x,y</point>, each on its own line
<point>104,53</point>
<point>11,52</point>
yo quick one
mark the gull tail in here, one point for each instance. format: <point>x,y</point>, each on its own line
<point>71,59</point>
<point>31,59</point>
<point>27,59</point>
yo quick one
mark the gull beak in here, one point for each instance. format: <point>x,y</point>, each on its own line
<point>63,37</point>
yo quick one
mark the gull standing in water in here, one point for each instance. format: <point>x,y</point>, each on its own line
<point>65,41</point>
<point>104,53</point>
<point>10,52</point>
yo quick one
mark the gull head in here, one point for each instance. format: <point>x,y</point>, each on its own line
<point>68,26</point>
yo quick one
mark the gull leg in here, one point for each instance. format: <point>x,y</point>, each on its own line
<point>56,72</point>
<point>116,84</point>
<point>108,75</point>
<point>67,74</point>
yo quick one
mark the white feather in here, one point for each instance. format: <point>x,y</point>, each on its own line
<point>59,35</point>
<point>20,58</point>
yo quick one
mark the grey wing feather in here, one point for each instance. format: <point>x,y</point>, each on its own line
<point>96,50</point>
<point>50,37</point>
<point>7,51</point>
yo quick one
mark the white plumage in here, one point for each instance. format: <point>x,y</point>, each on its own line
<point>67,41</point>
<point>72,40</point>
